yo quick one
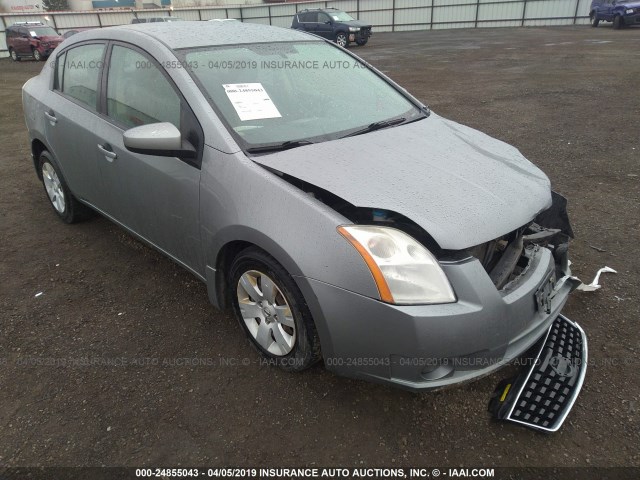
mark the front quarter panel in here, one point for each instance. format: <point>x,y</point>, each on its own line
<point>242,201</point>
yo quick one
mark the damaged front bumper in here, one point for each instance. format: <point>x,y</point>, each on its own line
<point>425,347</point>
<point>422,347</point>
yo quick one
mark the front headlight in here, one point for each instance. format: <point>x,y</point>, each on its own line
<point>629,11</point>
<point>405,272</point>
<point>354,29</point>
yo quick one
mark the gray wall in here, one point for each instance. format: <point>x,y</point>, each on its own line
<point>385,15</point>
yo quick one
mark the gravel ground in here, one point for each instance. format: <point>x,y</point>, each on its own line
<point>566,96</point>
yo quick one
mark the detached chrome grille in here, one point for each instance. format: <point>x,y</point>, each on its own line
<point>542,397</point>
<point>555,380</point>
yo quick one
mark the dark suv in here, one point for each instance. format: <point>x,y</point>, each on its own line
<point>620,12</point>
<point>333,24</point>
<point>31,39</point>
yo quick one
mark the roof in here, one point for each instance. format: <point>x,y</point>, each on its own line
<point>187,34</point>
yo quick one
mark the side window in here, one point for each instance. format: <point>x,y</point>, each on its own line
<point>80,74</point>
<point>59,71</point>
<point>137,91</point>
<point>323,18</point>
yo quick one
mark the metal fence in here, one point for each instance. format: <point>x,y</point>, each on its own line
<point>384,15</point>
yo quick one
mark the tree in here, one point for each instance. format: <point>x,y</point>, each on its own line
<point>55,5</point>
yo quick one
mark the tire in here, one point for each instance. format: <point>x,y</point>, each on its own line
<point>37,56</point>
<point>14,55</point>
<point>362,43</point>
<point>342,39</point>
<point>618,23</point>
<point>278,324</point>
<point>62,201</point>
<point>593,19</point>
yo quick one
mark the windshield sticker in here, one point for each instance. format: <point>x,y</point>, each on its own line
<point>33,34</point>
<point>251,101</point>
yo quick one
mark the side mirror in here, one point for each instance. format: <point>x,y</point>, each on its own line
<point>160,139</point>
<point>328,22</point>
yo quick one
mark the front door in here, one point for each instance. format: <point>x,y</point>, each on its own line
<point>156,197</point>
<point>325,26</point>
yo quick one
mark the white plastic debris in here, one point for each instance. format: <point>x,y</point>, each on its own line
<point>594,285</point>
<point>38,294</point>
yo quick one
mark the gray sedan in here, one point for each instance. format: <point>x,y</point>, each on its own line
<point>335,214</point>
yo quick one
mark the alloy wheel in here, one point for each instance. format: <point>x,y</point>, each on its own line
<point>54,187</point>
<point>266,313</point>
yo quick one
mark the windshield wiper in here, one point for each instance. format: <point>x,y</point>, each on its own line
<point>277,147</point>
<point>377,126</point>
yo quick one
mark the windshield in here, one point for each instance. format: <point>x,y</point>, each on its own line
<point>43,32</point>
<point>280,92</point>
<point>341,16</point>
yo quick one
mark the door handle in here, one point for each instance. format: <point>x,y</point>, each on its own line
<point>51,116</point>
<point>107,152</point>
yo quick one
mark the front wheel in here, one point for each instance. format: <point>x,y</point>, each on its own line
<point>37,56</point>
<point>272,311</point>
<point>14,55</point>
<point>593,19</point>
<point>342,39</point>
<point>362,42</point>
<point>618,23</point>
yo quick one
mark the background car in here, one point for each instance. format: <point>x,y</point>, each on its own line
<point>332,24</point>
<point>156,19</point>
<point>31,39</point>
<point>72,32</point>
<point>619,12</point>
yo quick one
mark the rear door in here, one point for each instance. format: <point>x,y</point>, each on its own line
<point>71,117</point>
<point>23,42</point>
<point>156,197</point>
<point>311,21</point>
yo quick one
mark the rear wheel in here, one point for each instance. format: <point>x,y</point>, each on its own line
<point>272,311</point>
<point>37,55</point>
<point>618,23</point>
<point>342,39</point>
<point>14,55</point>
<point>63,202</point>
<point>593,19</point>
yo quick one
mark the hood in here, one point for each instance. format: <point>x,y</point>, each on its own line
<point>462,186</point>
